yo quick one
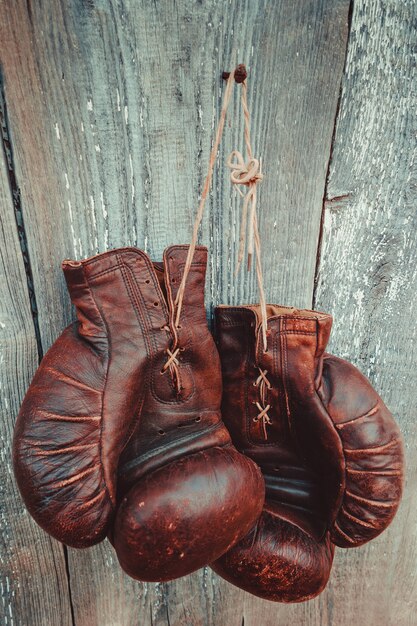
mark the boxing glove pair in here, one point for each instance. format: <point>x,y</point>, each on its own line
<point>120,432</point>
<point>330,451</point>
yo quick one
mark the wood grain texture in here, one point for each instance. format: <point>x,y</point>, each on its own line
<point>112,108</point>
<point>368,280</point>
<point>33,583</point>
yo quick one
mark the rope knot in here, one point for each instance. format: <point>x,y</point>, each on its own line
<point>248,174</point>
<point>244,173</point>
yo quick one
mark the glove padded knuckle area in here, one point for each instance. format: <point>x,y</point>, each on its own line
<point>373,451</point>
<point>278,561</point>
<point>186,514</point>
<point>57,444</point>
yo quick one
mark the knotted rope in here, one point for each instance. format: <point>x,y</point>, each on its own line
<point>249,174</point>
<point>242,175</point>
<point>245,174</point>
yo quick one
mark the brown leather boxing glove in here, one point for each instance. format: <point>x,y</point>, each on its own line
<point>330,450</point>
<point>184,491</point>
<point>75,417</point>
<point>113,378</point>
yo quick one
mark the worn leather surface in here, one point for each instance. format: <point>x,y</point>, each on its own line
<point>185,493</point>
<point>102,424</point>
<point>278,561</point>
<point>332,454</point>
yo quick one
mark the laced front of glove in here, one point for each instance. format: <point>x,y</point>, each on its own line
<point>172,364</point>
<point>330,450</point>
<point>264,386</point>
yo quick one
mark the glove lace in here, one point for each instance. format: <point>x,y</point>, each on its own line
<point>248,174</point>
<point>172,364</point>
<point>264,386</point>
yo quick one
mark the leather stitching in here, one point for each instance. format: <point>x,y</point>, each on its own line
<point>126,271</point>
<point>356,520</point>
<point>369,413</point>
<point>152,348</point>
<point>109,270</point>
<point>142,323</point>
<point>248,420</point>
<point>285,378</point>
<point>341,532</point>
<point>104,391</point>
<point>157,450</point>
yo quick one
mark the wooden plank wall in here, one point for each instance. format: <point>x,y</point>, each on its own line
<point>111,108</point>
<point>33,580</point>
<point>367,278</point>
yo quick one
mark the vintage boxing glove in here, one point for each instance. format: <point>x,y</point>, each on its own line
<point>112,377</point>
<point>184,492</point>
<point>330,450</point>
<point>74,420</point>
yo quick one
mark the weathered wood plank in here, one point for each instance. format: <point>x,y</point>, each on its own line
<point>105,595</point>
<point>122,101</point>
<point>33,584</point>
<point>368,280</point>
<point>296,57</point>
<point>112,108</point>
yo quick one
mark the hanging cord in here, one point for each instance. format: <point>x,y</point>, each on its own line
<point>245,174</point>
<point>249,174</point>
<point>213,154</point>
<point>172,363</point>
<point>238,74</point>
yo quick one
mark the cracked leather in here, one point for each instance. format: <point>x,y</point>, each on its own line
<point>329,449</point>
<point>105,444</point>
